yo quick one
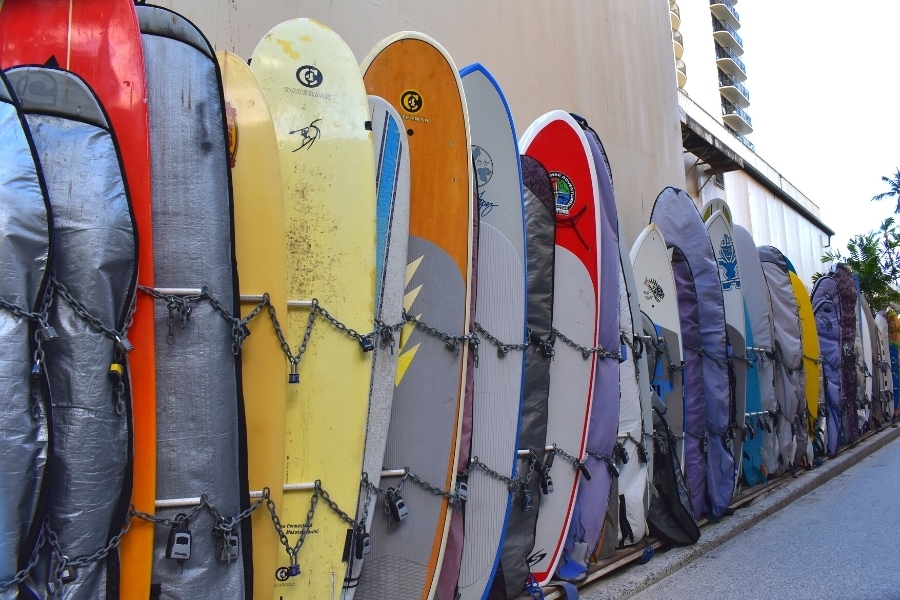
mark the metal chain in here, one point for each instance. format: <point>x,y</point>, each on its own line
<point>21,313</point>
<point>23,574</point>
<point>512,483</point>
<point>453,342</point>
<point>502,349</point>
<point>586,352</point>
<point>122,343</point>
<point>702,352</point>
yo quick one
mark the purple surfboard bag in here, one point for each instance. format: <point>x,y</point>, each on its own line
<point>827,311</point>
<point>678,219</point>
<point>847,294</point>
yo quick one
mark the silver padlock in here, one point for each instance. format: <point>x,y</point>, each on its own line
<point>48,334</point>
<point>228,546</point>
<point>178,546</point>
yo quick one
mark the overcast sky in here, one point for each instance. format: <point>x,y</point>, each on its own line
<point>824,82</point>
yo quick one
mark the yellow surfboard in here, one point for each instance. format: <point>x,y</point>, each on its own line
<point>260,251</point>
<point>810,344</point>
<point>321,115</point>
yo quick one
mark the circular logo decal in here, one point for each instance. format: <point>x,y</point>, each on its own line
<point>231,124</point>
<point>563,192</point>
<point>484,165</point>
<point>309,76</point>
<point>411,101</point>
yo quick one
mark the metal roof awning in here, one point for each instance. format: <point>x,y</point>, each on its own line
<point>697,140</point>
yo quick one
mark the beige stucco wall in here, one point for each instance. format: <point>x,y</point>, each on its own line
<point>611,61</point>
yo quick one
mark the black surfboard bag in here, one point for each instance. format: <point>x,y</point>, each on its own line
<point>671,515</point>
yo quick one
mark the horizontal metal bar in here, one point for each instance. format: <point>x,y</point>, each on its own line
<point>393,473</point>
<point>526,452</point>
<point>288,487</point>
<point>178,502</point>
<point>291,303</point>
<point>178,291</point>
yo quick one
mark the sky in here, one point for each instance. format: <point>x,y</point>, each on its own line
<point>824,97</point>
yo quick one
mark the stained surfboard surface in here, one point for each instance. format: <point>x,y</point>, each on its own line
<point>201,435</point>
<point>655,286</point>
<point>419,79</point>
<point>558,142</point>
<point>93,263</point>
<point>320,111</point>
<point>77,33</point>
<point>392,189</point>
<point>25,222</point>
<point>260,254</point>
<point>721,236</point>
<point>500,311</point>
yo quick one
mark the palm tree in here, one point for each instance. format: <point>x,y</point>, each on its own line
<point>894,192</point>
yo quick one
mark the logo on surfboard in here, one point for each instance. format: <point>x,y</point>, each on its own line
<point>728,265</point>
<point>310,134</point>
<point>652,290</point>
<point>231,125</point>
<point>309,76</point>
<point>411,101</point>
<point>563,192</point>
<point>484,165</point>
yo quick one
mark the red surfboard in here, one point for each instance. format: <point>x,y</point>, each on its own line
<point>77,34</point>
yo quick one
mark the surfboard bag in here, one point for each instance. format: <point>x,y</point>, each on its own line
<point>790,381</point>
<point>201,436</point>
<point>590,502</point>
<point>25,222</point>
<point>827,310</point>
<point>847,295</point>
<point>540,236</point>
<point>671,515</point>
<point>93,259</point>
<point>677,217</point>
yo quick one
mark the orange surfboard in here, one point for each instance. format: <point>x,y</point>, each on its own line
<point>76,33</point>
<point>415,75</point>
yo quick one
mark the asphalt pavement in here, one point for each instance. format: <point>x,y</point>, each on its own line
<point>831,533</point>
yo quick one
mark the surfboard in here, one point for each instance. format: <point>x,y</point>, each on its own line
<point>201,435</point>
<point>419,79</point>
<point>76,33</point>
<point>94,271</point>
<point>705,353</point>
<point>25,244</point>
<point>809,412</point>
<point>260,254</point>
<point>721,236</point>
<point>884,366</point>
<point>500,314</point>
<point>760,344</point>
<point>866,364</point>
<point>655,290</point>
<point>392,191</point>
<point>894,338</point>
<point>558,142</point>
<point>827,310</point>
<point>714,205</point>
<point>847,295</point>
<point>321,117</point>
<point>540,235</point>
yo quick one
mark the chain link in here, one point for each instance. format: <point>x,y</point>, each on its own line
<point>23,574</point>
<point>502,349</point>
<point>586,352</point>
<point>453,342</point>
<point>122,343</point>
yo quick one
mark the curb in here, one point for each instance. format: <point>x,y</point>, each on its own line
<point>635,578</point>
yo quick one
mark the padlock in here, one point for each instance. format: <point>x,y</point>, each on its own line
<point>396,506</point>
<point>68,574</point>
<point>363,542</point>
<point>124,345</point>
<point>642,454</point>
<point>584,470</point>
<point>527,499</point>
<point>366,344</point>
<point>613,469</point>
<point>228,547</point>
<point>48,334</point>
<point>548,460</point>
<point>623,356</point>
<point>293,570</point>
<point>294,376</point>
<point>705,444</point>
<point>462,487</point>
<point>546,484</point>
<point>179,545</point>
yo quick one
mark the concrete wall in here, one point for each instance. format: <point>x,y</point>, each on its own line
<point>610,61</point>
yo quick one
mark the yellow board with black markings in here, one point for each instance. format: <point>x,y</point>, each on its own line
<point>325,149</point>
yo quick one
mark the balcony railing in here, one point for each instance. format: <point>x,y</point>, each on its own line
<point>680,72</point>
<point>678,42</point>
<point>730,111</point>
<point>730,81</point>
<point>725,10</point>
<point>723,53</point>
<point>724,28</point>
<point>674,14</point>
<point>742,138</point>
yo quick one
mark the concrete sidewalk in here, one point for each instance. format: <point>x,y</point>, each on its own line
<point>634,578</point>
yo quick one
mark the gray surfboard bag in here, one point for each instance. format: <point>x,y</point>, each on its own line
<point>540,244</point>
<point>201,433</point>
<point>25,223</point>
<point>93,266</point>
